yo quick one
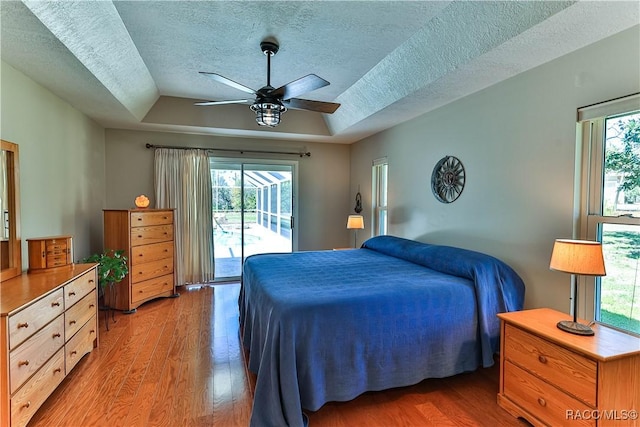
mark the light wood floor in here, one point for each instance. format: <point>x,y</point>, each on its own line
<point>179,362</point>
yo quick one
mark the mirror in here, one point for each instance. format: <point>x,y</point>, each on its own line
<point>10,250</point>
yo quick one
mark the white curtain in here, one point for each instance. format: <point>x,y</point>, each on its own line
<point>183,181</point>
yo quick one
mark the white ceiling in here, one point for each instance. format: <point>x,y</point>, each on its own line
<point>135,64</point>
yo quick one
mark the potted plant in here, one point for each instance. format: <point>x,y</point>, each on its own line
<point>111,270</point>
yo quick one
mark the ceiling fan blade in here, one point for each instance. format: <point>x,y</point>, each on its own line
<point>298,87</point>
<point>228,82</point>
<point>307,104</point>
<point>232,101</point>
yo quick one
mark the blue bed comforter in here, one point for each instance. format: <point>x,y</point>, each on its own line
<point>329,325</point>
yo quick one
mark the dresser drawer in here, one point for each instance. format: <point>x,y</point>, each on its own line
<point>143,219</point>
<point>548,403</point>
<point>80,344</point>
<point>153,252</point>
<point>79,314</point>
<point>75,290</point>
<point>152,269</point>
<point>151,288</point>
<point>25,360</point>
<point>26,322</point>
<point>35,391</point>
<point>570,371</point>
<point>151,234</point>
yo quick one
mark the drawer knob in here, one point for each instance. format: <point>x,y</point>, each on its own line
<point>55,371</point>
<point>542,402</point>
<point>91,281</point>
<point>139,236</point>
<point>72,322</point>
<point>542,359</point>
<point>56,335</point>
<point>91,305</point>
<point>23,325</point>
<point>92,331</point>
<point>55,304</point>
<point>23,363</point>
<point>26,405</point>
<point>73,353</point>
<point>71,294</point>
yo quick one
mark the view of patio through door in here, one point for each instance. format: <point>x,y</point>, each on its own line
<point>252,212</point>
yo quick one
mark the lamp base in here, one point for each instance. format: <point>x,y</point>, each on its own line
<point>574,327</point>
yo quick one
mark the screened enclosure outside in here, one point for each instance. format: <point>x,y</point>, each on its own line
<point>252,213</point>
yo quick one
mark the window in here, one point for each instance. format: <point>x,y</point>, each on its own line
<point>611,212</point>
<point>379,187</point>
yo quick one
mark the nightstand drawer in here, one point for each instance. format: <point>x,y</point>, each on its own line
<point>567,370</point>
<point>548,403</point>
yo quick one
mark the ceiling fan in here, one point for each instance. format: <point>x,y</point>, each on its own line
<point>269,102</point>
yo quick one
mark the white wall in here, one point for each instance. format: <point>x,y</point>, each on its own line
<point>323,189</point>
<point>517,141</point>
<point>61,163</point>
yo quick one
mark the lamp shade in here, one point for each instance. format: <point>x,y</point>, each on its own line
<point>578,257</point>
<point>355,221</point>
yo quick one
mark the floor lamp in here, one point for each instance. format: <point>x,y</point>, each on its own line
<point>577,257</point>
<point>355,222</point>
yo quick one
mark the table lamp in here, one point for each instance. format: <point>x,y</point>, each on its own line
<point>577,257</point>
<point>353,223</point>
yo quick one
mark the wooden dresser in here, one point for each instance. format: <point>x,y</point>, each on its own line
<point>550,377</point>
<point>48,321</point>
<point>147,238</point>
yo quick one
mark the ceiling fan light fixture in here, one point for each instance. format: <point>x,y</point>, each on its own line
<point>268,113</point>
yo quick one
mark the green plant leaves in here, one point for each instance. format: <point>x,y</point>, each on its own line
<point>113,266</point>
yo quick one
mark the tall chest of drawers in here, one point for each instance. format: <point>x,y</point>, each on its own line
<point>552,378</point>
<point>48,321</point>
<point>147,237</point>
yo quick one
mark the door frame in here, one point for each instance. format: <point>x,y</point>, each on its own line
<point>242,162</point>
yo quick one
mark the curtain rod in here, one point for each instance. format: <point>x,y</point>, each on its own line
<point>292,153</point>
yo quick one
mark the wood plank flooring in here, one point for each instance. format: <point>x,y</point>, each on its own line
<point>179,362</point>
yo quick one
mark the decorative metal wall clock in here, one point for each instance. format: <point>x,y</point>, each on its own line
<point>447,179</point>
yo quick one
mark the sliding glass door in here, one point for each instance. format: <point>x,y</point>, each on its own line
<point>253,211</point>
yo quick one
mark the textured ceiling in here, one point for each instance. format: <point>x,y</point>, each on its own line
<point>135,64</point>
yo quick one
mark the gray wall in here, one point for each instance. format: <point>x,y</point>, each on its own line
<point>517,141</point>
<point>323,188</point>
<point>62,185</point>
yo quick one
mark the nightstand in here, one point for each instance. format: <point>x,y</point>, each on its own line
<point>551,378</point>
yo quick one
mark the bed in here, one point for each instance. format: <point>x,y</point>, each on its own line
<point>325,326</point>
